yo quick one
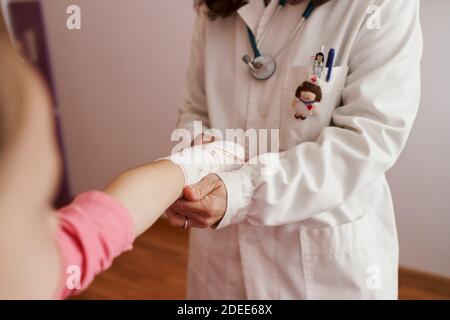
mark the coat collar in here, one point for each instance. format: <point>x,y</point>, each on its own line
<point>251,13</point>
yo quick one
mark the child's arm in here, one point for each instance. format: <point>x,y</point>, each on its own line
<point>146,192</point>
<point>97,227</point>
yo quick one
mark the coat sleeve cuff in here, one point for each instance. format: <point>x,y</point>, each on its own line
<point>239,197</point>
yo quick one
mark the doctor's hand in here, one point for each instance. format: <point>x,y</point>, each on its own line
<point>204,204</point>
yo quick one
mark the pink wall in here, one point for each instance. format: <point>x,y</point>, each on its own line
<point>421,179</point>
<point>121,81</point>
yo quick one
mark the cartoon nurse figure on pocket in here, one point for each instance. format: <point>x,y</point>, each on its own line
<point>307,98</point>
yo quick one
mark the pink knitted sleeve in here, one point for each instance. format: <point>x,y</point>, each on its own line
<point>94,230</point>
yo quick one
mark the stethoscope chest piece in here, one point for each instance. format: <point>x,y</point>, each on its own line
<point>263,67</point>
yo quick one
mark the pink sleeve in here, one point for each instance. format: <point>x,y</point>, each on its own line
<point>94,230</point>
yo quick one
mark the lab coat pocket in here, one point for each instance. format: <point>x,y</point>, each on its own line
<point>294,131</point>
<point>347,262</point>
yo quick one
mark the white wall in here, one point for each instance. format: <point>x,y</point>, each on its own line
<point>121,81</point>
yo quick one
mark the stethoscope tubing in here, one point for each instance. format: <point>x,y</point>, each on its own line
<point>269,25</point>
<point>257,45</point>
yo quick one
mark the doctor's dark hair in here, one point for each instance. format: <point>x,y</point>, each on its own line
<point>225,8</point>
<point>309,87</point>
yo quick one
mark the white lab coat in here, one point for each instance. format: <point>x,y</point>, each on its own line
<point>322,226</point>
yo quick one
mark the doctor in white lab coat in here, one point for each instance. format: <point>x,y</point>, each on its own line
<point>322,226</point>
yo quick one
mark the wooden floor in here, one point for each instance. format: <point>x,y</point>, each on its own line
<point>156,269</point>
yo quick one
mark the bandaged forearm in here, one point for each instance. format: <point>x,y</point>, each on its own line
<point>199,161</point>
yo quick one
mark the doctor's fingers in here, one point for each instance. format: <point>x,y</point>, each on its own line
<point>200,190</point>
<point>176,220</point>
<point>185,222</point>
<point>196,219</point>
<point>204,139</point>
<point>186,207</point>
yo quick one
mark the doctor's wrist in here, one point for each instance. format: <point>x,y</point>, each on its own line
<point>239,197</point>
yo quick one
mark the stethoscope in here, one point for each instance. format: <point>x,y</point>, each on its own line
<point>263,66</point>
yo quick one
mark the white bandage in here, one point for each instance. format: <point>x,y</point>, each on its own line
<point>199,161</point>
